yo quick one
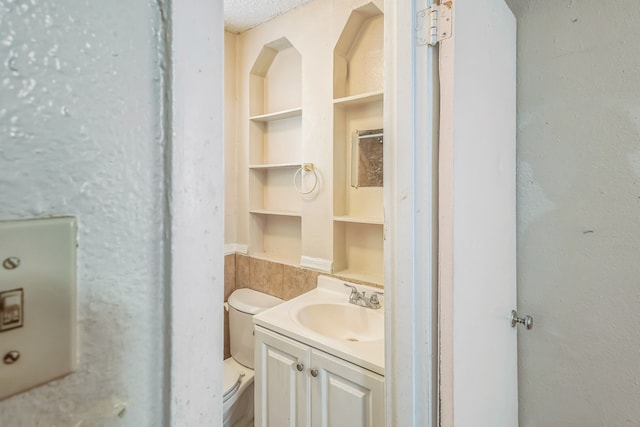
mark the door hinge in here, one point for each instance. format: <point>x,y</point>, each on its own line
<point>434,24</point>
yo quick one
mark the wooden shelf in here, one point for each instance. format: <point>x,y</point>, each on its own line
<point>275,134</point>
<point>278,115</point>
<point>276,235</point>
<point>360,99</point>
<point>276,166</point>
<point>275,212</point>
<point>377,279</point>
<point>358,219</point>
<point>276,257</point>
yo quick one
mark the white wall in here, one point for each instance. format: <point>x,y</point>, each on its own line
<point>81,134</point>
<point>579,211</point>
<point>196,201</point>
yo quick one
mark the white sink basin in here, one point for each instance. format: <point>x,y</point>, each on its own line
<point>342,321</point>
<point>324,319</point>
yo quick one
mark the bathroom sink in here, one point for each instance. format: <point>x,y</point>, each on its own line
<point>324,319</point>
<point>342,321</point>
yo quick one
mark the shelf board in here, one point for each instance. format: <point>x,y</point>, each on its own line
<point>276,166</point>
<point>363,98</point>
<point>278,115</point>
<point>359,219</point>
<point>275,212</point>
<point>291,260</point>
<point>369,277</point>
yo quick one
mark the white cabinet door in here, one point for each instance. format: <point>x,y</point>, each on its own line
<point>344,395</point>
<point>478,216</point>
<point>281,381</point>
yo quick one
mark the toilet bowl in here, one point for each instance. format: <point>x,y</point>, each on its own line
<point>237,399</point>
<point>238,372</point>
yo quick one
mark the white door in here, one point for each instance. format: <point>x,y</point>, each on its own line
<point>281,381</point>
<point>477,243</point>
<point>344,395</point>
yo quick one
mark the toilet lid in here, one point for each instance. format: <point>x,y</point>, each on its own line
<point>251,302</point>
<point>230,381</point>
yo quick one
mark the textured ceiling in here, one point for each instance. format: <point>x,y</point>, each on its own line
<point>241,15</point>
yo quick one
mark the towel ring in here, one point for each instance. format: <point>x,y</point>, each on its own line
<point>307,167</point>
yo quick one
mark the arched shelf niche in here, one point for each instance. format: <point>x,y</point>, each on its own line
<point>275,134</point>
<point>358,109</point>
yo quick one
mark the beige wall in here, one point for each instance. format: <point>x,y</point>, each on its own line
<point>230,140</point>
<point>313,30</point>
<point>579,211</point>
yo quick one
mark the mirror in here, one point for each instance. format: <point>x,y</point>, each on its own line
<point>366,158</point>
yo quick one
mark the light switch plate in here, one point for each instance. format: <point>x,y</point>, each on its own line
<point>38,324</point>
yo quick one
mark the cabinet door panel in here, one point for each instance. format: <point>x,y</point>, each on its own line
<point>345,395</point>
<point>281,391</point>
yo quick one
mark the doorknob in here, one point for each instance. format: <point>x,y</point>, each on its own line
<point>526,320</point>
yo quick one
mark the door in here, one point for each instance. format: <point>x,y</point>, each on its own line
<point>477,217</point>
<point>281,381</point>
<point>343,394</point>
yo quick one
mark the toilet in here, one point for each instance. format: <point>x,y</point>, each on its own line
<point>238,373</point>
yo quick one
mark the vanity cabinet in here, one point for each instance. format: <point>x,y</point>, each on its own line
<point>298,385</point>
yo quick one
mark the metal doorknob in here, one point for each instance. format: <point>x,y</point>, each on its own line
<point>314,372</point>
<point>300,367</point>
<point>527,321</point>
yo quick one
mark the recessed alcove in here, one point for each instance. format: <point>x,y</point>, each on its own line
<point>358,54</point>
<point>358,107</point>
<point>275,132</point>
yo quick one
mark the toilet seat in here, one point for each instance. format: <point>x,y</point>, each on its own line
<point>237,400</point>
<point>230,381</point>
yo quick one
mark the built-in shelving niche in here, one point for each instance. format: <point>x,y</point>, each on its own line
<point>275,132</point>
<point>358,105</point>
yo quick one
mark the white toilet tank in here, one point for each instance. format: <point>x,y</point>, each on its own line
<point>243,304</point>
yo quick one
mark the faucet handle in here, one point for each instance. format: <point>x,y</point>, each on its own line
<point>353,288</point>
<point>374,297</point>
<point>354,292</point>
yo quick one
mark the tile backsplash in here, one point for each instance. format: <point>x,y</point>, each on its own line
<point>279,280</point>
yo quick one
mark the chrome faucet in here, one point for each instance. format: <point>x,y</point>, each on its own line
<point>359,298</point>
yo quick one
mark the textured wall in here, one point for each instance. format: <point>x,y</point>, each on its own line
<point>579,211</point>
<point>80,134</point>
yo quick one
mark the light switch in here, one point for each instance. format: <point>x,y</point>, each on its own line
<point>38,324</point>
<point>11,309</point>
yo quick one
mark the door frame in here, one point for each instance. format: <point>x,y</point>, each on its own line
<point>193,109</point>
<point>411,227</point>
<point>195,188</point>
